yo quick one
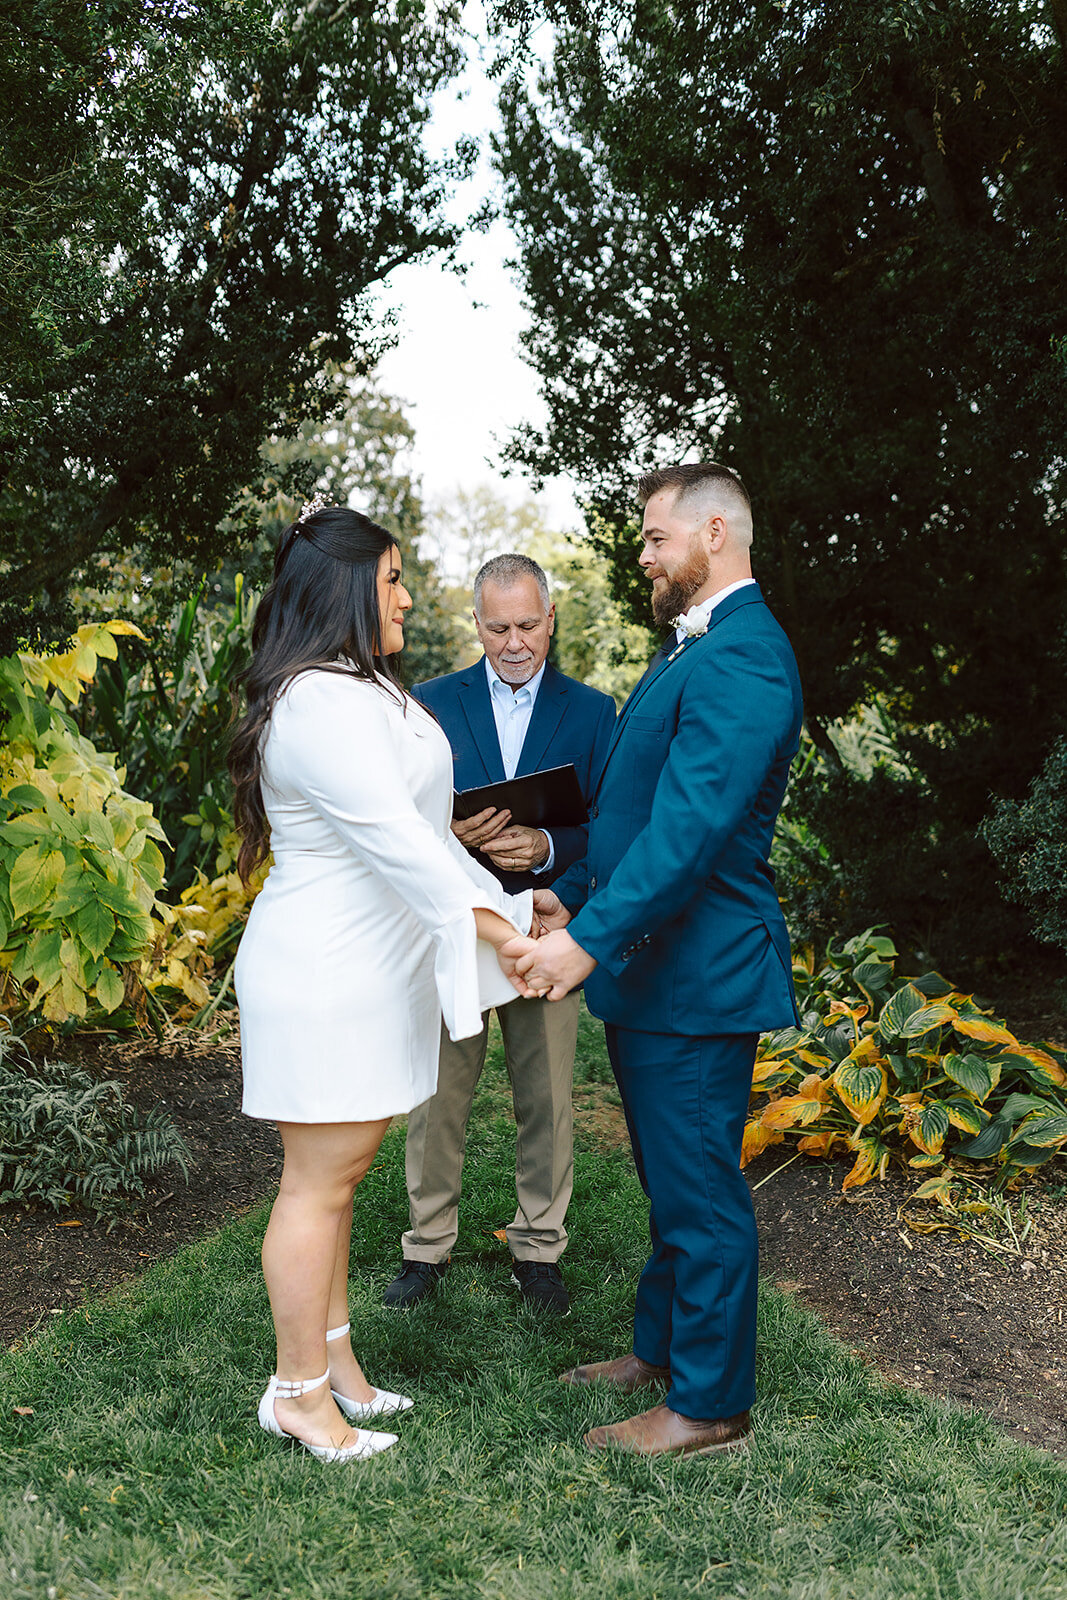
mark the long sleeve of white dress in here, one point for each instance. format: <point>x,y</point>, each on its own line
<point>379,775</point>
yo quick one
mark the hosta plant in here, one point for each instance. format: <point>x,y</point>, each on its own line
<point>80,866</point>
<point>910,1070</point>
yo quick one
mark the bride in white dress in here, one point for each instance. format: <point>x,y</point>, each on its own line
<point>373,922</point>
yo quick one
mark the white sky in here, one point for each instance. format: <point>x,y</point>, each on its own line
<point>457,366</point>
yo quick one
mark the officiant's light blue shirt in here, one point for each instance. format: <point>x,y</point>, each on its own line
<point>512,710</point>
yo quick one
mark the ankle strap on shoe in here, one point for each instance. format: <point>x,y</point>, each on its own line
<point>337,1333</point>
<point>292,1389</point>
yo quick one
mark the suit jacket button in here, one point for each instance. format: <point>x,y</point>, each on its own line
<point>595,812</point>
<point>592,883</point>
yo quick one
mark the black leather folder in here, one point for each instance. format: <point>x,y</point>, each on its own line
<point>549,799</point>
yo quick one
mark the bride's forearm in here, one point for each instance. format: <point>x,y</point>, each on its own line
<point>492,927</point>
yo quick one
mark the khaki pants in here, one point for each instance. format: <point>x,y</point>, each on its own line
<point>539,1041</point>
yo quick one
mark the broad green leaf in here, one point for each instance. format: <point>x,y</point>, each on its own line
<point>5,927</point>
<point>1023,1105</point>
<point>1042,1131</point>
<point>872,975</point>
<point>100,831</point>
<point>925,1160</point>
<point>95,926</point>
<point>1028,1155</point>
<point>966,1116</point>
<point>34,877</point>
<point>898,1009</point>
<point>927,1018</point>
<point>932,1127</point>
<point>932,985</point>
<point>861,1086</point>
<point>27,795</point>
<point>76,887</point>
<point>978,1077</point>
<point>28,829</point>
<point>109,988</point>
<point>992,1139</point>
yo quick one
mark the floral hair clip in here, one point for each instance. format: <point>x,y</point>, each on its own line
<point>318,502</point>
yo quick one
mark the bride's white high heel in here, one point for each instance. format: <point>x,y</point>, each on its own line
<point>367,1443</point>
<point>384,1404</point>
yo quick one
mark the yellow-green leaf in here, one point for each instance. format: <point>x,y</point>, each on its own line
<point>927,1019</point>
<point>35,876</point>
<point>94,925</point>
<point>984,1029</point>
<point>109,988</point>
<point>972,1073</point>
<point>861,1087</point>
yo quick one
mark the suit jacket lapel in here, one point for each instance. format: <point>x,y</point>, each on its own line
<point>478,710</point>
<point>548,712</point>
<point>740,597</point>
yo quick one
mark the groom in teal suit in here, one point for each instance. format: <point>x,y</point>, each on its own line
<point>672,921</point>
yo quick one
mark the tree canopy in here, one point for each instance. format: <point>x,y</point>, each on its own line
<point>825,244</point>
<point>196,203</point>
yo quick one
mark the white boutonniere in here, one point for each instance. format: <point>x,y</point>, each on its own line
<point>692,628</point>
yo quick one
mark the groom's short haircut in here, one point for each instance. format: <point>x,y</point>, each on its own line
<point>506,570</point>
<point>702,488</point>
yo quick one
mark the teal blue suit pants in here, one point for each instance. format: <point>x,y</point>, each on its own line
<point>685,1101</point>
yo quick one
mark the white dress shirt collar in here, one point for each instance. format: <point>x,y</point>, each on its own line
<point>497,685</point>
<point>702,613</point>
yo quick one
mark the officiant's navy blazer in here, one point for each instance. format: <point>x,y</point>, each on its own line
<point>675,898</point>
<point>571,722</point>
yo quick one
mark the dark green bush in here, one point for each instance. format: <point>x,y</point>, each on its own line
<point>1029,840</point>
<point>68,1139</point>
<point>858,849</point>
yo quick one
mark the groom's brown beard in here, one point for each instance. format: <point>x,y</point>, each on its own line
<point>670,601</point>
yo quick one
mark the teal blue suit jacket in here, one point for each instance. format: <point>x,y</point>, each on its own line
<point>675,897</point>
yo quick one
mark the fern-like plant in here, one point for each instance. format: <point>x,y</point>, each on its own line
<point>68,1139</point>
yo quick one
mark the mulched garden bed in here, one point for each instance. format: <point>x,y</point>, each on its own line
<point>940,1314</point>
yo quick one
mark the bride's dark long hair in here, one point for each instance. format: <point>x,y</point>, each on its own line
<point>322,604</point>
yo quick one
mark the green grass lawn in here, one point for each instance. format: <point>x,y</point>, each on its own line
<point>142,1473</point>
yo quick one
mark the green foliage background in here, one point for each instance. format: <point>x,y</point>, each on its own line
<point>826,244</point>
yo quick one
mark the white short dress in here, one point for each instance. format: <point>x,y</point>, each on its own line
<point>363,934</point>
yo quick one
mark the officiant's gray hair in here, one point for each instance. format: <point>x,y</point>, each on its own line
<point>703,487</point>
<point>506,570</point>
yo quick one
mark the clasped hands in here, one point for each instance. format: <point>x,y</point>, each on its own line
<point>551,964</point>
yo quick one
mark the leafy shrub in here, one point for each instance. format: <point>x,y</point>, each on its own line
<point>198,945</point>
<point>79,864</point>
<point>67,1139</point>
<point>903,1069</point>
<point>165,710</point>
<point>1029,841</point>
<point>861,841</point>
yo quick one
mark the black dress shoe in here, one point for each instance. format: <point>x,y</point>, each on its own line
<point>414,1280</point>
<point>541,1285</point>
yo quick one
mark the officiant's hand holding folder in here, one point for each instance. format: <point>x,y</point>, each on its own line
<point>548,799</point>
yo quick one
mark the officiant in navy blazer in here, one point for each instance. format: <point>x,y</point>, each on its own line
<point>510,714</point>
<point>673,923</point>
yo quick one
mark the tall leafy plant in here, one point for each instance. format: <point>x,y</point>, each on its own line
<point>80,864</point>
<point>164,706</point>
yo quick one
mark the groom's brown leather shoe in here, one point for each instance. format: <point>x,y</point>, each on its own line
<point>626,1373</point>
<point>662,1432</point>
